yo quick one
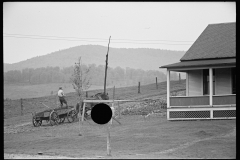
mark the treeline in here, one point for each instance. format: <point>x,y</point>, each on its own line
<point>115,76</point>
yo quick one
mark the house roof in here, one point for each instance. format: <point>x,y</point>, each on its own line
<point>216,41</point>
<point>202,63</point>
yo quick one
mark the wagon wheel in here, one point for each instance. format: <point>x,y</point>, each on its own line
<point>71,116</point>
<point>53,118</point>
<point>87,108</point>
<point>87,115</point>
<point>36,123</point>
<point>61,120</point>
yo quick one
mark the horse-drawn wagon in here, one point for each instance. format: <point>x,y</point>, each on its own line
<point>58,115</point>
<point>54,116</point>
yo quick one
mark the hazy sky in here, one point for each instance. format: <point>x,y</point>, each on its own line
<point>37,28</point>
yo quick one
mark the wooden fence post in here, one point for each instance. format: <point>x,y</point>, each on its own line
<point>113,92</point>
<point>156,83</point>
<point>138,87</point>
<point>79,123</point>
<point>113,110</point>
<point>108,140</point>
<point>81,117</point>
<point>119,111</point>
<point>21,107</point>
<point>57,99</point>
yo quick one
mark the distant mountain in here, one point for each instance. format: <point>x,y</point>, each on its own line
<point>140,58</point>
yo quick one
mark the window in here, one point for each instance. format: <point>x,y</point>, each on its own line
<point>233,72</point>
<point>206,82</point>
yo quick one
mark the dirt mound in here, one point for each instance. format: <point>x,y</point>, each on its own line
<point>145,108</point>
<point>202,134</point>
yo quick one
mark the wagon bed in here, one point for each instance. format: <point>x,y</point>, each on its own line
<point>54,116</point>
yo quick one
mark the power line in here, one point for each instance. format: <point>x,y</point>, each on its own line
<point>152,40</point>
<point>152,43</point>
<point>86,39</point>
<point>90,40</point>
<point>51,38</point>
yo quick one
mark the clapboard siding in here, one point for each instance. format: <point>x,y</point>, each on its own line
<point>195,83</point>
<point>223,81</point>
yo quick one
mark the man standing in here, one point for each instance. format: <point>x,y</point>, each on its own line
<point>61,97</point>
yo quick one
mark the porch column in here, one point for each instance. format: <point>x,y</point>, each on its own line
<point>187,83</point>
<point>211,86</point>
<point>168,88</point>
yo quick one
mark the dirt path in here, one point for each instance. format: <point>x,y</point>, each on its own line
<point>232,133</point>
<point>26,156</point>
<point>188,144</point>
<point>137,156</point>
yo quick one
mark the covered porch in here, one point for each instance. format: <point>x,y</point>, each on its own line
<point>210,91</point>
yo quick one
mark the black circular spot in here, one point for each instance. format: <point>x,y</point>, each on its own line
<point>101,113</point>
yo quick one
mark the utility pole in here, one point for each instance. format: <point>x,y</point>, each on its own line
<point>106,68</point>
<point>79,78</point>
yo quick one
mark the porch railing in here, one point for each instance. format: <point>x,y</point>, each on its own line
<point>189,100</point>
<point>224,99</point>
<point>202,100</point>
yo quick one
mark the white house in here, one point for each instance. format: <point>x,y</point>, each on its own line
<point>210,67</point>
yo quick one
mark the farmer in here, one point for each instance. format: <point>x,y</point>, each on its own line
<point>61,97</point>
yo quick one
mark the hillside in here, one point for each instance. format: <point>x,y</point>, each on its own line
<point>32,104</point>
<point>140,58</point>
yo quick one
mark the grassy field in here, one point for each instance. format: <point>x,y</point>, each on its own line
<point>17,91</point>
<point>138,138</point>
<point>12,108</point>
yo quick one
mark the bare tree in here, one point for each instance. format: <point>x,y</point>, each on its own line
<point>80,79</point>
